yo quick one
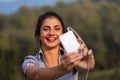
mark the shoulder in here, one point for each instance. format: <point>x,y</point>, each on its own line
<point>28,61</point>
<point>30,57</point>
<point>31,60</point>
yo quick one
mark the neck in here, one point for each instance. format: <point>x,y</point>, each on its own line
<point>51,56</point>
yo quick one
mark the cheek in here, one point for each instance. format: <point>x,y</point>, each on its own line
<point>60,33</point>
<point>43,34</point>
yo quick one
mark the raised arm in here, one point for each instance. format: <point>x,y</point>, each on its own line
<point>37,73</point>
<point>34,72</point>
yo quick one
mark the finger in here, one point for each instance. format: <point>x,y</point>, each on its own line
<point>68,66</point>
<point>75,63</point>
<point>81,48</point>
<point>69,61</point>
<point>80,40</point>
<point>90,52</point>
<point>70,55</point>
<point>66,55</point>
<point>85,52</point>
<point>72,58</point>
<point>89,55</point>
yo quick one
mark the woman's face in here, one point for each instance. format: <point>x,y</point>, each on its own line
<point>50,31</point>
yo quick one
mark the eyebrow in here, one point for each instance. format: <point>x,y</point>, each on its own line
<point>46,26</point>
<point>53,26</point>
<point>57,26</point>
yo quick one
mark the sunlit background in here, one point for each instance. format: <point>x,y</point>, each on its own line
<point>96,21</point>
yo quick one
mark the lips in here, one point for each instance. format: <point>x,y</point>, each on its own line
<point>51,39</point>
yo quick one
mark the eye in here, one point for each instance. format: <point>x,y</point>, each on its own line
<point>45,28</point>
<point>57,28</point>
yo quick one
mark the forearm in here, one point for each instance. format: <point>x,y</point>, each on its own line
<point>45,73</point>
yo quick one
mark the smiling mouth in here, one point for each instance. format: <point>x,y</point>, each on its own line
<point>51,39</point>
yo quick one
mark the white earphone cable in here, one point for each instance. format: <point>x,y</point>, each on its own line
<point>71,29</point>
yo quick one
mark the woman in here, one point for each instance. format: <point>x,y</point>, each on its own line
<point>51,62</point>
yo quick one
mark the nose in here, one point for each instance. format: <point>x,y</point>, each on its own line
<point>52,32</point>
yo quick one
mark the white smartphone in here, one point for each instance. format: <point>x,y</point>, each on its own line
<point>69,42</point>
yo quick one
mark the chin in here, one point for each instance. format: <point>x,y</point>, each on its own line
<point>53,46</point>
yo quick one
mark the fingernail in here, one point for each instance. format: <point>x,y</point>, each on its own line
<point>81,56</point>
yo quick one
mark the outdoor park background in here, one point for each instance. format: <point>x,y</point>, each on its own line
<point>96,21</point>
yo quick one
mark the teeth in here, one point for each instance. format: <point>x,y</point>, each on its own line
<point>51,38</point>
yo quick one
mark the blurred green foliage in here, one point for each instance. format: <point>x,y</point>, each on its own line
<point>96,21</point>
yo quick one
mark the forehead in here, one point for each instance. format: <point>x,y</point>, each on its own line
<point>51,20</point>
